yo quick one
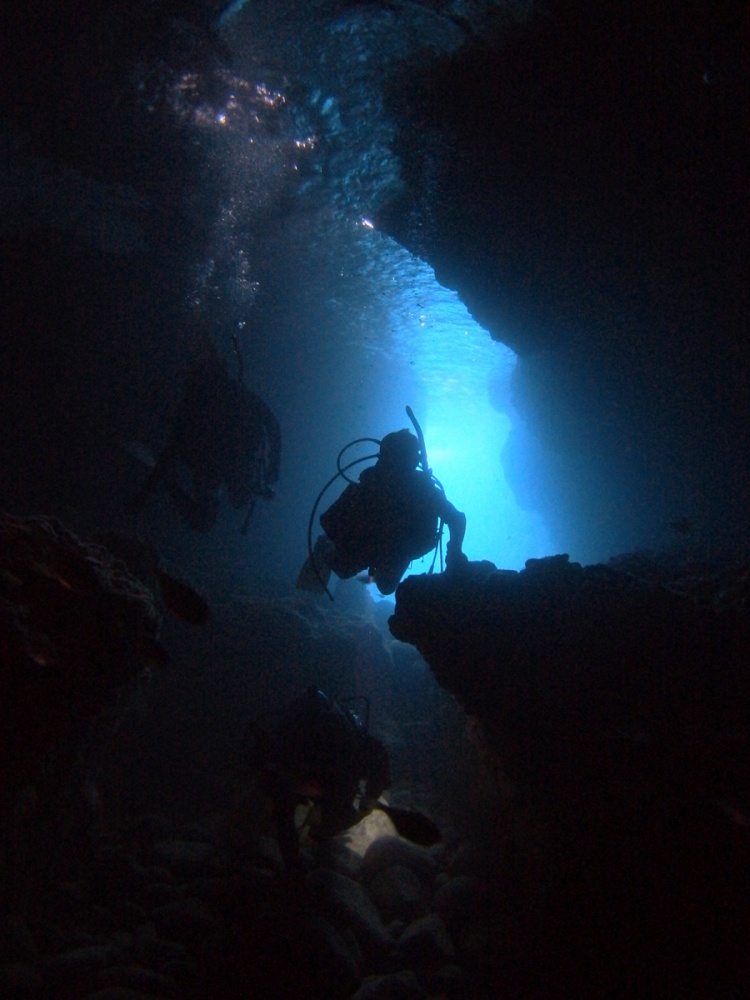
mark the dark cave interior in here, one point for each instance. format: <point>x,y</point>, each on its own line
<point>577,173</point>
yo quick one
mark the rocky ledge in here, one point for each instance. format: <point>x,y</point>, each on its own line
<point>613,700</point>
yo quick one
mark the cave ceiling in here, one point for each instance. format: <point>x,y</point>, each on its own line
<point>576,171</point>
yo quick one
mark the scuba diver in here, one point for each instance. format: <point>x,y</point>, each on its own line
<point>324,772</point>
<point>394,514</point>
<point>225,437</point>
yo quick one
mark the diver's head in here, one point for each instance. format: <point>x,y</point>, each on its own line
<point>400,450</point>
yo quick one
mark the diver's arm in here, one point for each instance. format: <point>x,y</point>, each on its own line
<point>456,521</point>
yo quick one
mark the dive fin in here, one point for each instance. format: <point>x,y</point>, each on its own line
<point>311,579</point>
<point>315,573</point>
<point>412,824</point>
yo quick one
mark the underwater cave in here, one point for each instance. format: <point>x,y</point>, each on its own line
<point>519,230</point>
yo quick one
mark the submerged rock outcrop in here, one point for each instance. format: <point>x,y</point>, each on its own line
<point>75,627</point>
<point>613,700</point>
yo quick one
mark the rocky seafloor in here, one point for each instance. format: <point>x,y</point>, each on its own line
<point>138,862</point>
<point>206,910</point>
<point>579,735</point>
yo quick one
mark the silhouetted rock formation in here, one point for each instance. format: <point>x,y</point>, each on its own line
<point>75,627</point>
<point>614,697</point>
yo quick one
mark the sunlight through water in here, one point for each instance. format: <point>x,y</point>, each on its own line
<point>452,360</point>
<point>387,334</point>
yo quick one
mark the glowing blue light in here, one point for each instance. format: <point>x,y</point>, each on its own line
<point>453,360</point>
<point>465,457</point>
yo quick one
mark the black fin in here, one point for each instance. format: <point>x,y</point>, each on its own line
<point>412,824</point>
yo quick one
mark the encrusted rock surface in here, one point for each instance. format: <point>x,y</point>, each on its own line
<point>613,702</point>
<point>232,925</point>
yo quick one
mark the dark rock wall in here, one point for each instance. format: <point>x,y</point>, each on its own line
<point>582,186</point>
<point>614,702</point>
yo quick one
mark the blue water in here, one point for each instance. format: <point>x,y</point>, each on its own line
<point>339,326</point>
<point>452,360</point>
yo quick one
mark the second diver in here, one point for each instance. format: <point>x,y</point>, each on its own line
<point>224,439</point>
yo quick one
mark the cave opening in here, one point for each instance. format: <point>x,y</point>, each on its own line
<point>339,326</point>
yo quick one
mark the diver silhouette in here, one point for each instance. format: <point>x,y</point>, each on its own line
<point>391,516</point>
<point>323,772</point>
<point>225,438</point>
<point>320,753</point>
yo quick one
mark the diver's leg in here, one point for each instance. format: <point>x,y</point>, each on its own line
<point>343,565</point>
<point>387,575</point>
